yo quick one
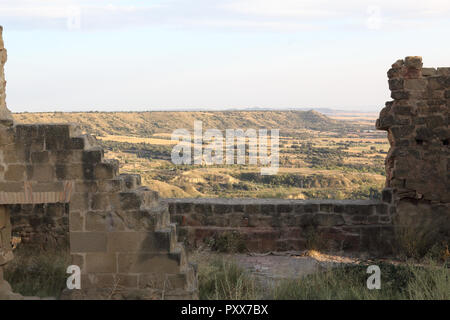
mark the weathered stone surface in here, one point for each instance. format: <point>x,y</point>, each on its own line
<point>120,233</point>
<point>5,114</point>
<point>59,188</point>
<point>419,145</point>
<point>265,227</point>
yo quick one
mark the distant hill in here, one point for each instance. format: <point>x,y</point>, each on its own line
<point>148,123</point>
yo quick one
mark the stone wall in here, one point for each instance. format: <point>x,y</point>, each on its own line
<point>6,254</point>
<point>274,224</point>
<point>43,225</point>
<point>5,115</point>
<point>417,164</point>
<point>417,122</point>
<point>120,234</point>
<point>417,185</point>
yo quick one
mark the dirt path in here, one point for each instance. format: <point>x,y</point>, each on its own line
<point>275,266</point>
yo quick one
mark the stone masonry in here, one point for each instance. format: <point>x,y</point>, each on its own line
<point>120,233</point>
<point>417,165</point>
<point>56,186</point>
<point>5,114</point>
<point>415,200</point>
<point>281,225</point>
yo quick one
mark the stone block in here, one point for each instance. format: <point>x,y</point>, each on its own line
<point>40,157</point>
<point>104,171</point>
<point>41,172</point>
<point>77,143</point>
<point>139,241</point>
<point>416,84</point>
<point>124,241</point>
<point>127,280</point>
<point>358,209</point>
<point>326,207</point>
<point>184,207</point>
<point>11,187</point>
<point>57,137</point>
<point>268,209</point>
<point>79,202</point>
<point>221,208</point>
<point>399,95</point>
<point>284,208</point>
<point>88,187</point>
<point>148,263</point>
<point>100,201</point>
<point>413,62</point>
<point>382,209</point>
<point>328,219</point>
<point>387,195</point>
<point>76,221</point>
<point>15,172</point>
<point>78,260</point>
<point>101,263</point>
<point>201,208</point>
<point>252,208</point>
<point>396,84</point>
<point>129,201</point>
<point>172,208</point>
<point>311,208</point>
<point>88,242</point>
<point>4,218</point>
<point>427,72</point>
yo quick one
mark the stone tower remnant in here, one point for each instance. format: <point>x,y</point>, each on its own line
<point>120,232</point>
<point>417,164</point>
<point>5,114</point>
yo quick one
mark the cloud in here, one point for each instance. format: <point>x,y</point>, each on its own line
<point>332,8</point>
<point>277,15</point>
<point>373,14</point>
<point>283,8</point>
<point>60,13</point>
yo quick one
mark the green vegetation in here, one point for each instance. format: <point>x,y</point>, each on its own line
<point>320,157</point>
<point>43,273</point>
<point>228,242</point>
<point>224,279</point>
<point>35,272</point>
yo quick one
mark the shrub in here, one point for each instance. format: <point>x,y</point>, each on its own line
<point>225,280</point>
<point>228,242</point>
<point>34,272</point>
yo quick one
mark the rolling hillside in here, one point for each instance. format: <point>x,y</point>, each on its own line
<point>144,124</point>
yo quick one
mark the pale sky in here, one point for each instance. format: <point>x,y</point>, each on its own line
<point>111,55</point>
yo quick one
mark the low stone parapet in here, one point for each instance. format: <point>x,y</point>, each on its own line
<point>276,224</point>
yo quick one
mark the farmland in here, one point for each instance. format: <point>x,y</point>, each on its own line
<point>338,155</point>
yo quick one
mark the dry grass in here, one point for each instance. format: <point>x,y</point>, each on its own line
<point>224,279</point>
<point>34,272</point>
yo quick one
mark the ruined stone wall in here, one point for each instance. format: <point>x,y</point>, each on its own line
<point>417,164</point>
<point>417,122</point>
<point>274,224</point>
<point>120,234</point>
<point>44,225</point>
<point>417,190</point>
<point>5,115</point>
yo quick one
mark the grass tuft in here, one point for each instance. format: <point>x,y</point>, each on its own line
<point>34,272</point>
